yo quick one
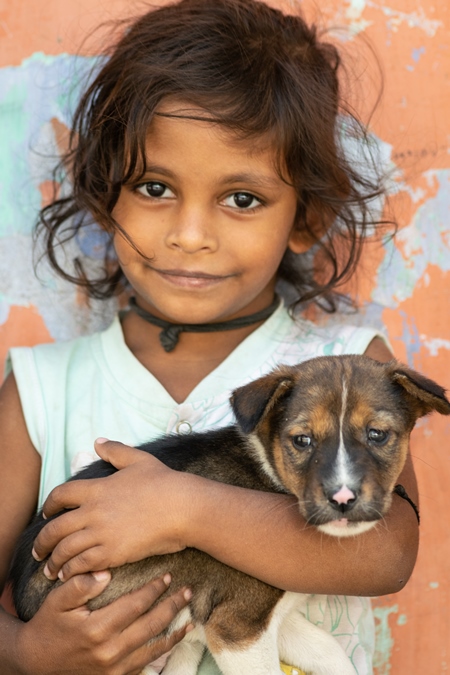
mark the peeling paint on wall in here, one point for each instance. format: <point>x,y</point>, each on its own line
<point>384,639</point>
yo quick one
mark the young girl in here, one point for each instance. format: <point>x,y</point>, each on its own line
<point>207,148</point>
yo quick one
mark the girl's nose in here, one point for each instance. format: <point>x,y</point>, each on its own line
<point>192,230</point>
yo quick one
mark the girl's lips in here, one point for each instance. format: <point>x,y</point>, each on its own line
<point>185,279</point>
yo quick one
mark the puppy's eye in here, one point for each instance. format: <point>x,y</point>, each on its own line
<point>377,436</point>
<point>301,442</point>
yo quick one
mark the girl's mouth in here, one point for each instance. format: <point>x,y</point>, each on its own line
<point>190,279</point>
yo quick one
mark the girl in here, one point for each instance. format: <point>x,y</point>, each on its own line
<point>207,149</point>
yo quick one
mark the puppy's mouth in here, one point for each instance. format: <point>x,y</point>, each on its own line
<point>346,528</point>
<point>342,522</point>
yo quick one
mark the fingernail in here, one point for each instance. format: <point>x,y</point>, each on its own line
<point>47,572</point>
<point>60,575</point>
<point>44,516</point>
<point>35,555</point>
<point>167,578</point>
<point>187,594</point>
<point>189,627</point>
<point>101,440</point>
<point>103,575</point>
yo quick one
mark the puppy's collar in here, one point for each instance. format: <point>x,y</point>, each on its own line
<point>171,331</point>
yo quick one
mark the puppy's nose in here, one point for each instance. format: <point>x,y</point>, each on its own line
<point>343,500</point>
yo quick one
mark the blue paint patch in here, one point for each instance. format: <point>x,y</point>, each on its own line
<point>410,338</point>
<point>4,310</point>
<point>31,95</point>
<point>434,584</point>
<point>94,242</point>
<point>424,242</point>
<point>417,53</point>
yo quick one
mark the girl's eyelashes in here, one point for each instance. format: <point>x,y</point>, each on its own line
<point>155,189</point>
<point>243,201</point>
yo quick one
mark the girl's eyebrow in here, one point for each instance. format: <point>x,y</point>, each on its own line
<point>255,179</point>
<point>155,168</point>
<point>251,179</point>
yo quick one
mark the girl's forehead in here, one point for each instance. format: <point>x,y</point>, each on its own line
<point>198,118</point>
<point>182,128</point>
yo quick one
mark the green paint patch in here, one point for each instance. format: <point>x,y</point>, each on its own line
<point>402,619</point>
<point>434,584</point>
<point>384,641</point>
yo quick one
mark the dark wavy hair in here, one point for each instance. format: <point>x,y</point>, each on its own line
<point>254,70</point>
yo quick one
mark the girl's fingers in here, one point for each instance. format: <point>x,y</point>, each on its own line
<point>118,454</point>
<point>149,652</point>
<point>64,534</point>
<point>142,639</point>
<point>134,663</point>
<point>66,496</point>
<point>92,559</point>
<point>124,611</point>
<point>151,624</point>
<point>78,591</point>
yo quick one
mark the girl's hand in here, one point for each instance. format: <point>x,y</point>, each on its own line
<point>136,512</point>
<point>66,638</point>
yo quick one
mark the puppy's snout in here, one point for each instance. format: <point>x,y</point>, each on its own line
<point>343,500</point>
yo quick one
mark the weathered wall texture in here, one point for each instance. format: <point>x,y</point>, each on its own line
<point>405,285</point>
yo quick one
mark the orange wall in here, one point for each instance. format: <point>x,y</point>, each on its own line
<point>405,285</point>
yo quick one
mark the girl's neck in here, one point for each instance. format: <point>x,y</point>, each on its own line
<point>195,356</point>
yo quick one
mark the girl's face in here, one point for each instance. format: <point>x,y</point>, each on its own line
<point>214,219</point>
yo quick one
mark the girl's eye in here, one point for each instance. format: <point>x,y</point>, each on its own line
<point>377,436</point>
<point>242,200</point>
<point>155,189</point>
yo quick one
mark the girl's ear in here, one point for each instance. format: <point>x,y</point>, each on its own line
<point>317,223</point>
<point>299,242</point>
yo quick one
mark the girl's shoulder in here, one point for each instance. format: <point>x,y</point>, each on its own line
<point>54,359</point>
<point>296,338</point>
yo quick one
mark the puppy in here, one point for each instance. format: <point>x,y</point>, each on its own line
<point>332,431</point>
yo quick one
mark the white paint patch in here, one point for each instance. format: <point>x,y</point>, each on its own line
<point>413,19</point>
<point>261,456</point>
<point>434,344</point>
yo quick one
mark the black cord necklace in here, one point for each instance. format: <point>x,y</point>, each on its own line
<point>171,331</point>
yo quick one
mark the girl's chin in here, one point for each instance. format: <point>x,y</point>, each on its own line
<point>199,310</point>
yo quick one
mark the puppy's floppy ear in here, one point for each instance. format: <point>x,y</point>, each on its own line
<point>428,395</point>
<point>252,401</point>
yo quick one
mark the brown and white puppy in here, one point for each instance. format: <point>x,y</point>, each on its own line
<point>332,431</point>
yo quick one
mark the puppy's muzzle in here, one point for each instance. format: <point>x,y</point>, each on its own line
<point>343,500</point>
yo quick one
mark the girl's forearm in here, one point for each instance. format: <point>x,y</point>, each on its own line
<point>9,656</point>
<point>265,536</point>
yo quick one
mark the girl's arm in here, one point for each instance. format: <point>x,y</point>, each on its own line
<point>258,533</point>
<point>64,637</point>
